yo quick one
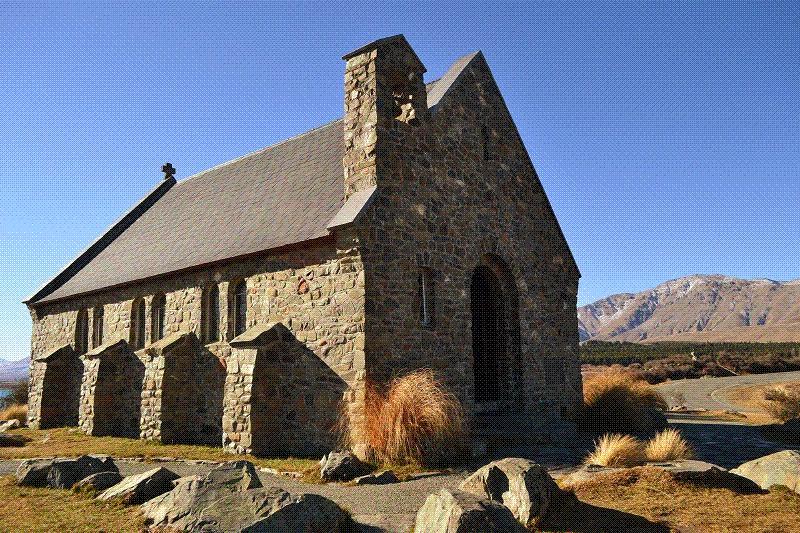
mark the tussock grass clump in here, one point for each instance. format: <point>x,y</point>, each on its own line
<point>782,403</point>
<point>668,445</point>
<point>616,450</point>
<point>618,401</point>
<point>416,420</point>
<point>15,412</point>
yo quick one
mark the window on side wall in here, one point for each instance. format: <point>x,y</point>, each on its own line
<point>211,313</point>
<point>239,308</point>
<point>137,334</point>
<point>425,297</point>
<point>97,326</point>
<point>82,332</point>
<point>157,318</point>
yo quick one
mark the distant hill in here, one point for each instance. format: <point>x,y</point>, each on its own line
<point>702,308</point>
<point>11,371</point>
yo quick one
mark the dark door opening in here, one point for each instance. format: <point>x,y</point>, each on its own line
<point>488,334</point>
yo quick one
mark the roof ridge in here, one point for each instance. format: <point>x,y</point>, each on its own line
<point>261,150</point>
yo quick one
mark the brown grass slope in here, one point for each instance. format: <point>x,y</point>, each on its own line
<point>698,308</point>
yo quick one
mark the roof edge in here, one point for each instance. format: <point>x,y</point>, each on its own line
<point>449,79</point>
<point>113,231</point>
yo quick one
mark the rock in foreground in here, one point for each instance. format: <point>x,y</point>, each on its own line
<point>9,424</point>
<point>33,472</point>
<point>276,511</point>
<point>141,488</point>
<point>462,512</point>
<point>781,468</point>
<point>342,466</point>
<point>64,473</point>
<point>182,506</point>
<point>521,485</point>
<point>381,478</point>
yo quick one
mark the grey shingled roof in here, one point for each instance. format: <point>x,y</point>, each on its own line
<point>281,195</point>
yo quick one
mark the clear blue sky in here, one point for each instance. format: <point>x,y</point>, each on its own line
<point>668,138</point>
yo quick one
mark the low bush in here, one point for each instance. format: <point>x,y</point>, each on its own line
<point>782,403</point>
<point>616,450</point>
<point>667,445</point>
<point>15,412</point>
<point>619,401</point>
<point>414,420</point>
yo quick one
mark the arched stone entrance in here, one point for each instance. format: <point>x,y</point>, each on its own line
<point>497,368</point>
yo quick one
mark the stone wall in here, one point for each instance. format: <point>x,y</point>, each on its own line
<point>316,291</point>
<point>456,189</point>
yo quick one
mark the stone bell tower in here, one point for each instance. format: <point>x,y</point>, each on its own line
<point>384,97</point>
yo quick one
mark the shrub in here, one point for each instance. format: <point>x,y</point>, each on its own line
<point>783,404</point>
<point>617,401</point>
<point>415,420</point>
<point>616,450</point>
<point>15,412</point>
<point>667,446</point>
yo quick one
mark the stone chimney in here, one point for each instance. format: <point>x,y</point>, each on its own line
<point>384,96</point>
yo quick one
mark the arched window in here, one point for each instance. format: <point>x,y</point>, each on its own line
<point>157,312</point>
<point>239,308</point>
<point>97,326</point>
<point>211,313</point>
<point>137,324</point>
<point>82,332</point>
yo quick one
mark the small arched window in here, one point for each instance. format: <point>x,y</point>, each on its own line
<point>82,332</point>
<point>211,313</point>
<point>97,326</point>
<point>425,297</point>
<point>137,324</point>
<point>157,313</point>
<point>239,308</point>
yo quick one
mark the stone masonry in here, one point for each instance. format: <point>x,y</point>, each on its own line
<point>452,260</point>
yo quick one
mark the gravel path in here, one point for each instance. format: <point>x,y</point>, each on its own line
<point>705,392</point>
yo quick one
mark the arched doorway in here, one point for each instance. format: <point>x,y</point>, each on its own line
<point>495,333</point>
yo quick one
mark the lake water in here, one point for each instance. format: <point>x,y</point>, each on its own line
<point>4,392</point>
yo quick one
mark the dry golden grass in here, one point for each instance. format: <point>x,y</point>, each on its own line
<point>15,412</point>
<point>616,401</point>
<point>668,445</point>
<point>69,442</point>
<point>31,509</point>
<point>416,420</point>
<point>616,450</point>
<point>782,403</point>
<point>650,499</point>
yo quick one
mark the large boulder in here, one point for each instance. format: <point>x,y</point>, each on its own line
<point>521,485</point>
<point>141,488</point>
<point>342,466</point>
<point>98,482</point>
<point>33,472</point>
<point>182,506</point>
<point>782,468</point>
<point>9,441</point>
<point>64,473</point>
<point>273,510</point>
<point>462,512</point>
<point>380,478</point>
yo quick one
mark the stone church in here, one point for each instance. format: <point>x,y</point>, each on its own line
<point>249,304</point>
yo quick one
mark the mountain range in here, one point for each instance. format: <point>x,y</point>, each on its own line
<point>11,371</point>
<point>702,308</point>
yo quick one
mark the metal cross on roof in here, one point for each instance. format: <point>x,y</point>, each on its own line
<point>168,170</point>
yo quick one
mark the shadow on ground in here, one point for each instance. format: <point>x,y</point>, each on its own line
<point>577,516</point>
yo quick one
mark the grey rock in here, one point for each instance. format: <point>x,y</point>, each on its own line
<point>141,488</point>
<point>274,510</point>
<point>522,485</point>
<point>342,466</point>
<point>33,472</point>
<point>781,468</point>
<point>99,481</point>
<point>382,478</point>
<point>461,512</point>
<point>182,506</point>
<point>9,424</point>
<point>64,473</point>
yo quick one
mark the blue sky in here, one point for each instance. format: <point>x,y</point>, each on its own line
<point>667,136</point>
